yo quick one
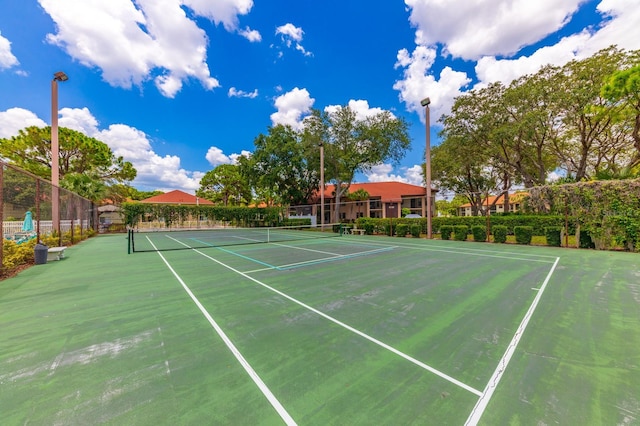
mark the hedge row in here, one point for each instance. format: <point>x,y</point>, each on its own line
<point>459,228</point>
<point>171,214</point>
<point>539,224</point>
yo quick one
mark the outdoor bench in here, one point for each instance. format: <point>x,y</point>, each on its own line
<point>55,253</point>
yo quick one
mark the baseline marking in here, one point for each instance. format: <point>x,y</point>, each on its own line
<point>247,367</point>
<point>324,260</point>
<point>482,403</point>
<point>348,327</point>
<point>480,253</point>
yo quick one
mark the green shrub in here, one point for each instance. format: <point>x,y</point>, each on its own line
<point>585,240</point>
<point>553,235</point>
<point>402,229</point>
<point>460,232</point>
<point>499,233</point>
<point>14,254</point>
<point>415,230</point>
<point>368,228</point>
<point>523,234</point>
<point>446,231</point>
<point>479,233</point>
<point>388,228</point>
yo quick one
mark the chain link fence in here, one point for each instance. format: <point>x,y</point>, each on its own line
<point>27,205</point>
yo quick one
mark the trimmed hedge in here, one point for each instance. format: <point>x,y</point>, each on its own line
<point>499,234</point>
<point>523,234</point>
<point>460,232</point>
<point>479,233</point>
<point>415,230</point>
<point>538,222</point>
<point>554,236</point>
<point>446,231</point>
<point>402,229</point>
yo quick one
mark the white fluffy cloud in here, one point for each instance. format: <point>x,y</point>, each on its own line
<point>7,59</point>
<point>384,173</point>
<point>472,29</point>
<point>154,171</point>
<point>215,156</point>
<point>235,93</point>
<point>15,119</point>
<point>291,108</point>
<point>484,30</point>
<point>360,107</point>
<point>419,83</point>
<point>292,37</point>
<point>147,40</point>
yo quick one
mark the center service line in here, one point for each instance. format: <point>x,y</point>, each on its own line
<point>482,403</point>
<point>245,364</point>
<point>348,327</point>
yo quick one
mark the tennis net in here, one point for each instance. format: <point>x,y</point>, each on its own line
<point>182,239</point>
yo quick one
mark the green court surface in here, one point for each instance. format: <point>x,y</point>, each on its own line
<point>354,330</point>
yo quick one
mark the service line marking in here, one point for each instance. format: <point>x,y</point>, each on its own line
<point>486,395</point>
<point>348,327</point>
<point>245,364</point>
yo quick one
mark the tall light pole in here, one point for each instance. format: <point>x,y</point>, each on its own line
<point>427,165</point>
<point>322,185</point>
<point>55,151</point>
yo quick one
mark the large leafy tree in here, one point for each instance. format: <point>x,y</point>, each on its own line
<point>87,165</point>
<point>225,185</point>
<point>585,116</point>
<point>279,169</point>
<point>559,118</point>
<point>353,145</point>
<point>622,89</point>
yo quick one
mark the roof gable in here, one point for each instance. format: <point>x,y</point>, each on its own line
<point>176,197</point>
<point>386,191</point>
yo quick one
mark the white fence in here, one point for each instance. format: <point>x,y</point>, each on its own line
<point>46,226</point>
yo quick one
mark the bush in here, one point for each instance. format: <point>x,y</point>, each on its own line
<point>523,234</point>
<point>585,240</point>
<point>402,229</point>
<point>479,233</point>
<point>553,235</point>
<point>14,254</point>
<point>499,234</point>
<point>415,230</point>
<point>446,231</point>
<point>387,228</point>
<point>460,232</point>
<point>368,228</point>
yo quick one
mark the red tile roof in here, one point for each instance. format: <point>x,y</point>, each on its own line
<point>386,191</point>
<point>176,197</point>
<point>516,197</point>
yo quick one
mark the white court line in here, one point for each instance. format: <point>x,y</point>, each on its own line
<point>348,327</point>
<point>335,258</point>
<point>480,253</point>
<point>247,367</point>
<point>482,403</point>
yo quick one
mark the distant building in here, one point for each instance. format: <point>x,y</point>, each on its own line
<point>386,199</point>
<point>515,204</point>
<point>177,197</point>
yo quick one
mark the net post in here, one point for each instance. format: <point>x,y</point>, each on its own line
<point>128,241</point>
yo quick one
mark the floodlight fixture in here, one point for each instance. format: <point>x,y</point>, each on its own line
<point>425,102</point>
<point>60,76</point>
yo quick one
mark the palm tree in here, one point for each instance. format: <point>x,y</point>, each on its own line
<point>359,195</point>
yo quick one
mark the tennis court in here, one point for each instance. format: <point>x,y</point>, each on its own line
<point>348,330</point>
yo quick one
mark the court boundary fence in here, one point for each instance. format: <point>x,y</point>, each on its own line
<point>24,192</point>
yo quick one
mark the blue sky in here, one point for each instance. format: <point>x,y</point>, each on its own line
<point>178,87</point>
